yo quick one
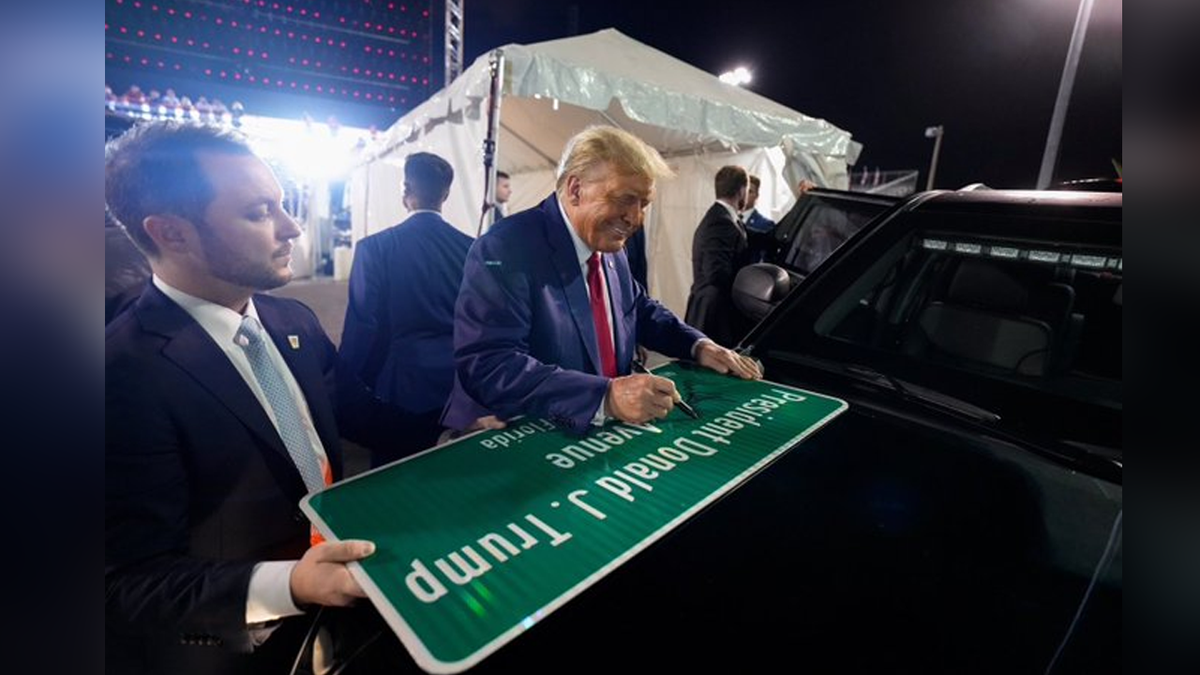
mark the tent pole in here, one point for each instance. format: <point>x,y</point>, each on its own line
<point>496,67</point>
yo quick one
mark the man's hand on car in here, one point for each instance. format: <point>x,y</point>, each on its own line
<point>727,362</point>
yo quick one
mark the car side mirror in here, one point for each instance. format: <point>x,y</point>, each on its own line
<point>759,287</point>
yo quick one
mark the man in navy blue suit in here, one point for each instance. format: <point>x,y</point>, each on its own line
<point>549,318</point>
<point>755,221</point>
<point>760,242</point>
<point>220,416</point>
<point>399,329</point>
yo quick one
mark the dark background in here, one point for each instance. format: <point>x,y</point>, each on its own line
<point>988,70</point>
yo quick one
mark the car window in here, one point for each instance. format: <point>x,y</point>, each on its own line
<point>820,225</point>
<point>1027,328</point>
<point>1029,311</point>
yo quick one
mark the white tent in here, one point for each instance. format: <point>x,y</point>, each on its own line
<point>551,90</point>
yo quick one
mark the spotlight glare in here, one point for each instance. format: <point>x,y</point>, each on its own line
<point>737,77</point>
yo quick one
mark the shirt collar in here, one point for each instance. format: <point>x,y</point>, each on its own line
<point>582,250</point>
<point>733,214</point>
<point>218,321</point>
<point>413,213</point>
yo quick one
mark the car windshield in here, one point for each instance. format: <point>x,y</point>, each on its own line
<point>1026,326</point>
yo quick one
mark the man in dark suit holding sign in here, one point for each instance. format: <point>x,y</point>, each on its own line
<point>220,417</point>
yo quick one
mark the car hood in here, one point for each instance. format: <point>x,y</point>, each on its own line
<point>878,541</point>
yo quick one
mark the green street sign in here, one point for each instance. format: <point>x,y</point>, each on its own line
<point>480,539</point>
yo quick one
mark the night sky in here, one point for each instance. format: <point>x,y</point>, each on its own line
<point>988,70</point>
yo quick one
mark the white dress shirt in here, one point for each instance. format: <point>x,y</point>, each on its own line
<point>269,596</point>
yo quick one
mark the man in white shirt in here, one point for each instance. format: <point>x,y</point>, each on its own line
<point>223,408</point>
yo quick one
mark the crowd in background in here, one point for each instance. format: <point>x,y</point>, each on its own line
<point>137,103</point>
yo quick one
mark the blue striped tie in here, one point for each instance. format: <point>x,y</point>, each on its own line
<point>287,413</point>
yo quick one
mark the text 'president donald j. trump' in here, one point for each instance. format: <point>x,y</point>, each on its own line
<point>548,319</point>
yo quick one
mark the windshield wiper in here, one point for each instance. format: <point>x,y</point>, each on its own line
<point>921,394</point>
<point>905,390</point>
<point>1106,464</point>
<point>1099,461</point>
<point>1100,452</point>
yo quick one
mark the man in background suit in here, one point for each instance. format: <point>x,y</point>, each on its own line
<point>760,244</point>
<point>718,252</point>
<point>751,218</point>
<point>399,329</point>
<point>549,317</point>
<point>503,193</point>
<point>215,430</point>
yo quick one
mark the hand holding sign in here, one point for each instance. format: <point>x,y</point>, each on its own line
<point>321,577</point>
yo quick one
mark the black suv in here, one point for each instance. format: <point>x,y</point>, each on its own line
<point>963,515</point>
<point>1003,297</point>
<point>969,503</point>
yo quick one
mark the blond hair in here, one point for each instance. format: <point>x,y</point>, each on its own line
<point>600,145</point>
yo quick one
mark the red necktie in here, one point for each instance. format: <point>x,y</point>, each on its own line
<point>604,336</point>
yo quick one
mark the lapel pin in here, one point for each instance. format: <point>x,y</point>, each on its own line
<point>294,341</point>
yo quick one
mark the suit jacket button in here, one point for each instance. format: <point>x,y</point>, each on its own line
<point>298,516</point>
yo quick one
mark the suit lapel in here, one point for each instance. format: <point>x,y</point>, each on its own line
<point>191,348</point>
<point>562,252</point>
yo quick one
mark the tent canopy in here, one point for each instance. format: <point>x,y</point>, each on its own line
<point>552,90</point>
